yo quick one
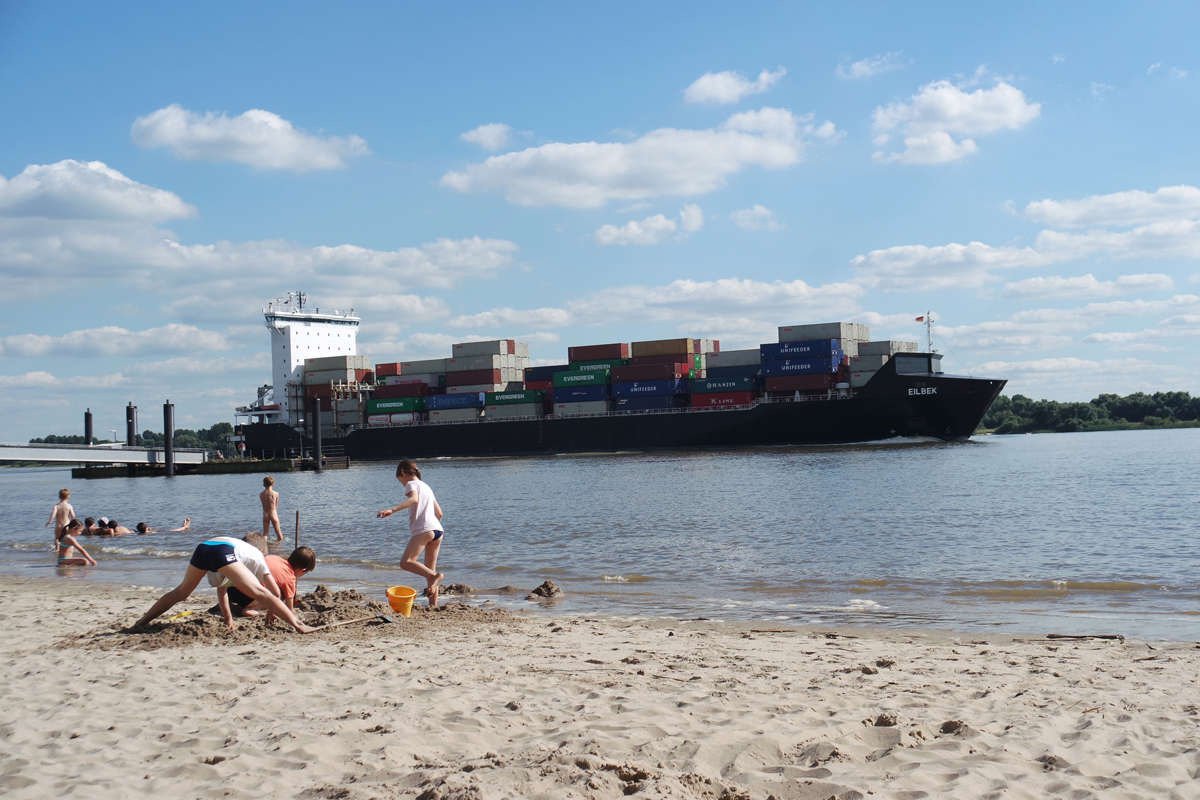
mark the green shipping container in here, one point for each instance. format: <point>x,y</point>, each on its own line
<point>576,378</point>
<point>510,398</point>
<point>396,405</point>
<point>718,385</point>
<point>590,366</point>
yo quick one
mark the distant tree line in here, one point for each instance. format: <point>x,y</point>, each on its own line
<point>1020,414</point>
<point>213,438</point>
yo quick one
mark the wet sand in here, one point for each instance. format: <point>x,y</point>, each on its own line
<point>469,703</point>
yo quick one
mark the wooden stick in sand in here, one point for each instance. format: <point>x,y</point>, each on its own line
<point>297,527</point>
<point>352,621</point>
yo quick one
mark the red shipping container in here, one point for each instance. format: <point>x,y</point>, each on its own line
<point>383,370</point>
<point>723,399</point>
<point>364,375</point>
<point>800,383</point>
<point>689,361</point>
<point>650,372</point>
<point>401,390</point>
<point>598,352</point>
<point>323,391</point>
<point>544,385</point>
<point>472,377</point>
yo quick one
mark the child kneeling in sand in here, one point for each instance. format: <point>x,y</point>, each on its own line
<point>301,562</point>
<point>228,560</point>
<point>65,541</point>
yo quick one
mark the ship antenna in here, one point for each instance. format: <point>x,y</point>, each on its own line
<point>929,329</point>
<point>301,297</point>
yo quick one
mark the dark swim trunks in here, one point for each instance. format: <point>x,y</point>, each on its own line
<point>211,556</point>
<point>239,598</point>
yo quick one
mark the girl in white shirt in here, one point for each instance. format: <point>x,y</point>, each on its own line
<point>425,527</point>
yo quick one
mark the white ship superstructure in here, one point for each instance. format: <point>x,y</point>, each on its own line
<point>298,334</point>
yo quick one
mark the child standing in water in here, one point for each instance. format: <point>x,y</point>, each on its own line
<point>61,514</point>
<point>64,540</point>
<point>270,503</point>
<point>425,527</point>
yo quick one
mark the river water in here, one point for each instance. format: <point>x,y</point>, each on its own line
<point>1063,533</point>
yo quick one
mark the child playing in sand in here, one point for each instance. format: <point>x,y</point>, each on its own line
<point>425,527</point>
<point>65,541</point>
<point>270,503</point>
<point>301,562</point>
<point>61,514</point>
<point>228,560</point>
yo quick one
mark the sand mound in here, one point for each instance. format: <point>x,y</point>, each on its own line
<point>320,607</point>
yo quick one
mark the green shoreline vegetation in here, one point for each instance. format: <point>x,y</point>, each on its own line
<point>1108,412</point>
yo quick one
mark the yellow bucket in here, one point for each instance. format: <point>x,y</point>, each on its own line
<point>400,598</point>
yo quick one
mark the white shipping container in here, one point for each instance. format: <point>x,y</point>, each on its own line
<point>353,404</point>
<point>521,350</point>
<point>867,363</point>
<point>475,388</point>
<point>492,348</point>
<point>328,376</point>
<point>379,419</point>
<point>428,365</point>
<point>472,363</point>
<point>575,409</point>
<point>709,346</point>
<point>732,358</point>
<point>406,419</point>
<point>337,362</point>
<point>515,410</point>
<point>886,348</point>
<point>824,330</point>
<point>859,379</point>
<point>454,415</point>
<point>349,417</point>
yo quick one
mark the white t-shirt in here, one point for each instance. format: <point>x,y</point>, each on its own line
<point>247,554</point>
<point>421,517</point>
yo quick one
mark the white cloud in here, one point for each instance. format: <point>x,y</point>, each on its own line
<point>720,88</point>
<point>492,136</point>
<point>691,218</point>
<point>42,380</point>
<point>667,161</point>
<point>511,317</point>
<point>408,307</point>
<point>113,341</point>
<point>259,364</point>
<point>869,67</point>
<point>1100,91</point>
<point>86,191</point>
<point>756,218</point>
<point>940,111</point>
<point>259,138</point>
<point>910,268</point>
<point>1119,208</point>
<point>1080,379</point>
<point>651,230</point>
<point>106,235</point>
<point>687,301</point>
<point>1084,286</point>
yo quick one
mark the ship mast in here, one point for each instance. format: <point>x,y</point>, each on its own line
<point>928,320</point>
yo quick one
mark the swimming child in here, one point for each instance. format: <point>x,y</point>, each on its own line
<point>425,527</point>
<point>89,527</point>
<point>143,529</point>
<point>186,526</point>
<point>270,503</point>
<point>117,529</point>
<point>65,541</point>
<point>229,561</point>
<point>61,514</point>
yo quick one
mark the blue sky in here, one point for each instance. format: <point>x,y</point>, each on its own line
<point>568,175</point>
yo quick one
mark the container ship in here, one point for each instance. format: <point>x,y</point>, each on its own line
<point>824,383</point>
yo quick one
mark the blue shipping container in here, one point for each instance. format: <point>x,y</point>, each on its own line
<point>649,388</point>
<point>721,385</point>
<point>442,402</point>
<point>581,394</point>
<point>544,373</point>
<point>650,403</point>
<point>747,371</point>
<point>799,366</point>
<point>777,350</point>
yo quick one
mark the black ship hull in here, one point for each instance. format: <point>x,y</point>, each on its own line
<point>891,405</point>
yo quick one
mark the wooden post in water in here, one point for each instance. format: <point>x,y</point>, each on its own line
<point>297,527</point>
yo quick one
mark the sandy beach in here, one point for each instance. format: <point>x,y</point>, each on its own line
<point>470,703</point>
